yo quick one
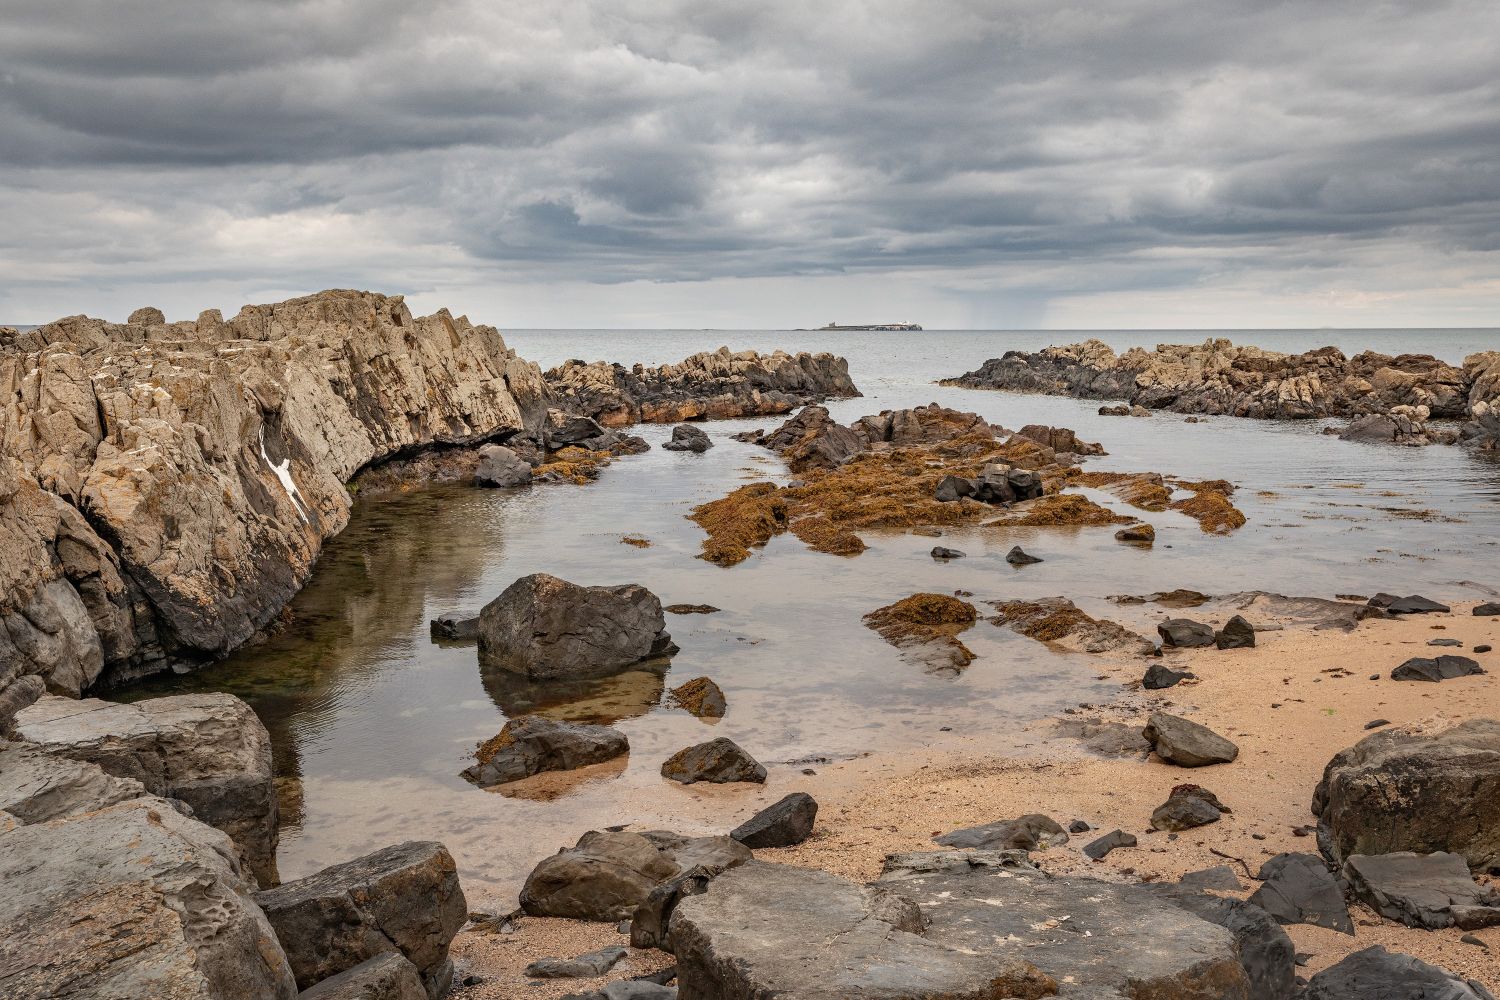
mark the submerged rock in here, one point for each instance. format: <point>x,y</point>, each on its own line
<point>1397,791</point>
<point>718,761</point>
<point>499,466</point>
<point>454,628</point>
<point>1058,620</point>
<point>1185,743</point>
<point>403,898</point>
<point>784,824</point>
<point>925,627</point>
<point>548,629</point>
<point>1016,557</point>
<point>702,697</point>
<point>533,744</point>
<point>209,750</point>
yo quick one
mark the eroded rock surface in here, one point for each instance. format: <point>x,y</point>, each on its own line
<point>533,744</point>
<point>37,786</point>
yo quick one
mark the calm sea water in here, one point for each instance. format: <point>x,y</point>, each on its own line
<point>372,721</point>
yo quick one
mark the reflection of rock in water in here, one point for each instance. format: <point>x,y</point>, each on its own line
<point>551,785</point>
<point>601,700</point>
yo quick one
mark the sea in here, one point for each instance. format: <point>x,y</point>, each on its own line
<point>372,720</point>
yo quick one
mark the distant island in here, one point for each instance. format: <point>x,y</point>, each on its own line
<point>874,326</point>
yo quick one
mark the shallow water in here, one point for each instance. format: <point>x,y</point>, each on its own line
<point>376,721</point>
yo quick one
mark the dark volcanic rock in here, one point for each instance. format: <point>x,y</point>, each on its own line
<point>947,932</point>
<point>607,875</point>
<point>1415,604</point>
<point>1298,889</point>
<point>1265,950</point>
<point>783,824</point>
<point>1159,676</point>
<point>549,629</point>
<point>1185,743</point>
<point>1099,849</point>
<point>533,744</point>
<point>719,761</point>
<point>939,552</point>
<point>1032,832</point>
<point>686,437</point>
<point>1489,609</point>
<point>1438,668</point>
<point>1187,807</point>
<point>1422,890</point>
<point>1395,791</point>
<point>1185,633</point>
<point>387,976</point>
<point>589,966</point>
<point>1376,974</point>
<point>403,898</point>
<point>1016,557</point>
<point>1237,633</point>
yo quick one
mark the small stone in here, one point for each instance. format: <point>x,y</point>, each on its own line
<point>690,609</point>
<point>1444,642</point>
<point>1159,677</point>
<point>940,552</point>
<point>1079,826</point>
<point>1483,648</point>
<point>1377,723</point>
<point>1100,848</point>
<point>1489,609</point>
<point>1017,557</point>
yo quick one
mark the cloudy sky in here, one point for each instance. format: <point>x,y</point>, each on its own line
<point>638,163</point>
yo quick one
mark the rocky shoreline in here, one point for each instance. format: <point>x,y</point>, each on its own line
<point>1388,398</point>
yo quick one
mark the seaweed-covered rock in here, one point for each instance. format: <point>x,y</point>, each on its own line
<point>702,697</point>
<point>549,629</point>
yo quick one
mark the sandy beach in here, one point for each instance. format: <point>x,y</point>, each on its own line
<point>1290,703</point>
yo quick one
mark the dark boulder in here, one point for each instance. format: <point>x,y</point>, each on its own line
<point>403,898</point>
<point>1376,974</point>
<point>549,629</point>
<point>1237,633</point>
<point>783,824</point>
<point>1398,791</point>
<point>1185,633</point>
<point>951,488</point>
<point>1159,676</point>
<point>718,761</point>
<point>1099,849</point>
<point>533,744</point>
<point>1437,668</point>
<point>1422,890</point>
<point>1016,557</point>
<point>1488,609</point>
<point>1032,832</point>
<point>1413,604</point>
<point>1187,807</point>
<point>942,553</point>
<point>1185,743</point>
<point>686,437</point>
<point>1299,889</point>
<point>452,628</point>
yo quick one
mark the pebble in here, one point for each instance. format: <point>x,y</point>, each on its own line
<point>1377,723</point>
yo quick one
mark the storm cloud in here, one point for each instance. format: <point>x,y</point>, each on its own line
<point>1027,159</point>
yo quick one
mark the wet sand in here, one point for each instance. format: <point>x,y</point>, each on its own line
<point>1290,704</point>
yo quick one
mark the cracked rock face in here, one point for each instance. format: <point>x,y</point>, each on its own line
<point>945,931</point>
<point>166,487</point>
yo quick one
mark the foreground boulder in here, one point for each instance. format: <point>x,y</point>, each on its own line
<point>132,900</point>
<point>784,824</point>
<point>1398,791</point>
<point>388,976</point>
<point>533,744</point>
<point>37,786</point>
<point>1265,951</point>
<point>1185,743</point>
<point>209,750</point>
<point>607,874</point>
<point>953,930</point>
<point>719,761</point>
<point>1423,890</point>
<point>1185,633</point>
<point>1376,974</point>
<point>1299,889</point>
<point>549,629</point>
<point>405,898</point>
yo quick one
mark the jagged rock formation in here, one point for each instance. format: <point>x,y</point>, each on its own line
<point>1218,377</point>
<point>1483,371</point>
<point>165,488</point>
<point>711,385</point>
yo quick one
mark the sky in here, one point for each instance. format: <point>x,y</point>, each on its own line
<point>695,163</point>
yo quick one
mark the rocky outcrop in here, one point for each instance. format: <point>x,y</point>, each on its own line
<point>132,900</point>
<point>166,487</point>
<point>1484,398</point>
<point>544,628</point>
<point>405,898</point>
<point>715,385</point>
<point>207,750</point>
<point>1398,791</point>
<point>948,926</point>
<point>1218,377</point>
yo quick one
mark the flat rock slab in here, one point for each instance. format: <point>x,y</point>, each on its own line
<point>718,761</point>
<point>1436,668</point>
<point>1032,832</point>
<point>782,824</point>
<point>764,930</point>
<point>592,965</point>
<point>388,976</point>
<point>1186,743</point>
<point>1423,890</point>
<point>132,900</point>
<point>545,628</point>
<point>1397,791</point>
<point>1376,974</point>
<point>404,898</point>
<point>37,786</point>
<point>533,744</point>
<point>607,875</point>
<point>1412,604</point>
<point>1299,889</point>
<point>209,750</point>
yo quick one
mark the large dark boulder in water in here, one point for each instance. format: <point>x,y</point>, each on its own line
<point>545,628</point>
<point>1399,791</point>
<point>967,927</point>
<point>533,744</point>
<point>1376,974</point>
<point>686,437</point>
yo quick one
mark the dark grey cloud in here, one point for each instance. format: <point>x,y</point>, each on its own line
<point>1040,148</point>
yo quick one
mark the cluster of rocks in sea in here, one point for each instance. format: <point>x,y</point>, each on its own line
<point>1388,398</point>
<point>265,425</point>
